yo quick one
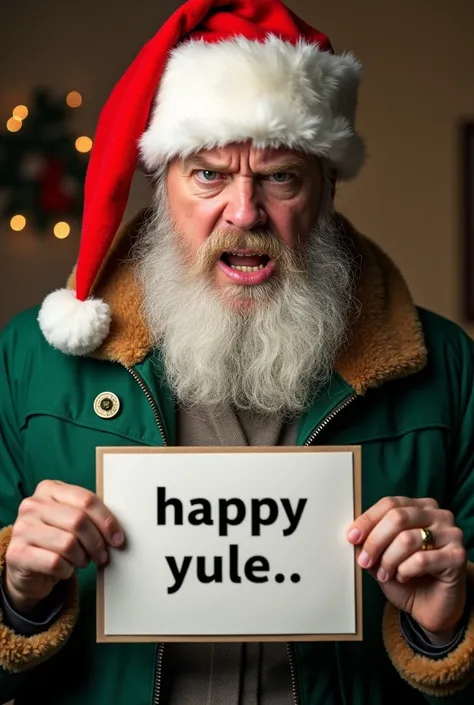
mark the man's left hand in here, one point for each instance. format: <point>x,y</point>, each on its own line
<point>430,585</point>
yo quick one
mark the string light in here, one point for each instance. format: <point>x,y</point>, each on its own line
<point>13,124</point>
<point>18,222</point>
<point>61,230</point>
<point>74,99</point>
<point>83,144</point>
<point>20,112</point>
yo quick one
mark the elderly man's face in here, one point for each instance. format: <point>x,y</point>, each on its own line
<point>247,283</point>
<point>237,208</point>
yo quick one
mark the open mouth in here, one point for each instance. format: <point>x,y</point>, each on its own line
<point>246,267</point>
<point>248,262</point>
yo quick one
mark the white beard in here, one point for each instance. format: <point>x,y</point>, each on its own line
<point>272,359</point>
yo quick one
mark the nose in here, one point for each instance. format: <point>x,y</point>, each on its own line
<point>243,209</point>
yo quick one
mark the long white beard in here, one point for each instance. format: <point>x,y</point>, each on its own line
<point>272,359</point>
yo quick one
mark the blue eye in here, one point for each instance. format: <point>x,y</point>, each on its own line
<point>282,177</point>
<point>208,175</point>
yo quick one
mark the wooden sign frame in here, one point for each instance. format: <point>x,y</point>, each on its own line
<point>150,638</point>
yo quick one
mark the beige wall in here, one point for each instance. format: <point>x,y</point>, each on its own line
<point>419,68</point>
<point>419,82</point>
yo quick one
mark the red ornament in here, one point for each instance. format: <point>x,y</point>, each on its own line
<point>53,197</point>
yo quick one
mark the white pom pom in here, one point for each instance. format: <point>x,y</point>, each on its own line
<point>72,326</point>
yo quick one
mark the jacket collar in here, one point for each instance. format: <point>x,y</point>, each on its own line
<point>385,343</point>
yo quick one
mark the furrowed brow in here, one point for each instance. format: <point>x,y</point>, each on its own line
<point>280,167</point>
<point>197,162</point>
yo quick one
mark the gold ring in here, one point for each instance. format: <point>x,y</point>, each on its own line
<point>427,540</point>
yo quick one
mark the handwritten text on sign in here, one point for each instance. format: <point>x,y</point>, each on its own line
<point>230,543</point>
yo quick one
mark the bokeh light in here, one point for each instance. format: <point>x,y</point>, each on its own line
<point>13,125</point>
<point>18,222</point>
<point>83,144</point>
<point>74,99</point>
<point>61,230</point>
<point>20,112</point>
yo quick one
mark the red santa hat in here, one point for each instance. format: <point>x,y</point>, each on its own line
<point>217,72</point>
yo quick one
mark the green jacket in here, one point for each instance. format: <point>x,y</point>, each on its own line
<point>403,390</point>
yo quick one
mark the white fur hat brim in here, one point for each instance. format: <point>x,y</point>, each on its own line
<point>273,93</point>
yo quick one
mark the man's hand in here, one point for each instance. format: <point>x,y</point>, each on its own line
<point>60,528</point>
<point>430,585</point>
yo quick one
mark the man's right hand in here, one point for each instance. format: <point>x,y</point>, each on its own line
<point>60,528</point>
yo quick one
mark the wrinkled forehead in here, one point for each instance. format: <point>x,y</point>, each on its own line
<point>238,157</point>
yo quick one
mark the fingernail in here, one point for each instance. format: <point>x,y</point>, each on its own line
<point>353,535</point>
<point>103,558</point>
<point>382,575</point>
<point>364,559</point>
<point>117,538</point>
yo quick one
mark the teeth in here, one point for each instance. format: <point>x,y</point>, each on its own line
<point>243,268</point>
<point>239,255</point>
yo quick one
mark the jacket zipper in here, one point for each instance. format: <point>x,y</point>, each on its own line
<point>158,672</point>
<point>295,691</point>
<point>154,406</point>
<point>296,695</point>
<point>345,402</point>
<point>146,391</point>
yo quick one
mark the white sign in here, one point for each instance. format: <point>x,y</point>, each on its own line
<point>230,543</point>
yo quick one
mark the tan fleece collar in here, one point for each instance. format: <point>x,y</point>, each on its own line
<point>385,343</point>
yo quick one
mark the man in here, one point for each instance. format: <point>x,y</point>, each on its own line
<point>240,309</point>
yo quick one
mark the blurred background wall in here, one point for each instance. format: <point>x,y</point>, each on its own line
<point>418,86</point>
